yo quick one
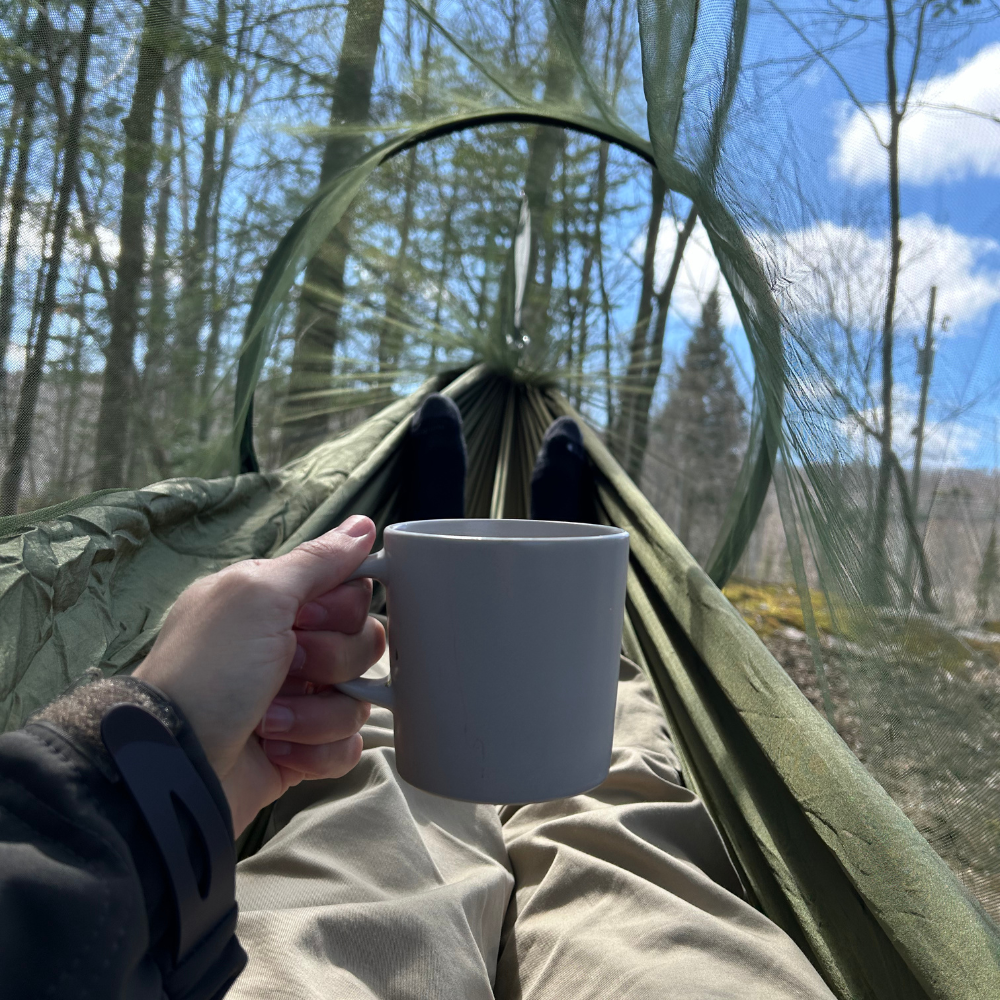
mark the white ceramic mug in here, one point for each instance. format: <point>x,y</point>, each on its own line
<point>504,638</point>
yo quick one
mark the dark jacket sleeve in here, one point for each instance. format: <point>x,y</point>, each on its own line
<point>85,909</point>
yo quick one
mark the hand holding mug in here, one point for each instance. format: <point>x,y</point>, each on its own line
<point>243,650</point>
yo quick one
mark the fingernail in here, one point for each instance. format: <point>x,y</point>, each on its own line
<point>357,526</point>
<point>277,748</point>
<point>278,719</point>
<point>298,661</point>
<point>310,615</point>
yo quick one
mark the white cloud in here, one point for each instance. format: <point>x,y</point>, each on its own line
<point>947,442</point>
<point>937,141</point>
<point>77,249</point>
<point>842,270</point>
<point>698,275</point>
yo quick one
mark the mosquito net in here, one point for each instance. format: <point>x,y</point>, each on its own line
<point>756,247</point>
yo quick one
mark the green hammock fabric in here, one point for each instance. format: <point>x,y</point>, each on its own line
<point>821,847</point>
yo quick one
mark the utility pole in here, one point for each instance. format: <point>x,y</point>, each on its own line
<point>925,365</point>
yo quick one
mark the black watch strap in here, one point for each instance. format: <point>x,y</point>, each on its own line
<point>163,783</point>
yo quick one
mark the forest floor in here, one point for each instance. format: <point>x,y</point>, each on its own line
<point>918,701</point>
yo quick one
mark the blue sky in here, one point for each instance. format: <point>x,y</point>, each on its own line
<point>805,126</point>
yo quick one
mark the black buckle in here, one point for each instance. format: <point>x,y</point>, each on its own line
<point>160,776</point>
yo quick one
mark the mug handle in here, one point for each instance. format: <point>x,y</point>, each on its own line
<point>376,690</point>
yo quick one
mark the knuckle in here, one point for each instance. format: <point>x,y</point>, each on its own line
<point>361,712</point>
<point>244,579</point>
<point>376,634</point>
<point>319,548</point>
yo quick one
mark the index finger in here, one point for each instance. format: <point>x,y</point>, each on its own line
<point>317,566</point>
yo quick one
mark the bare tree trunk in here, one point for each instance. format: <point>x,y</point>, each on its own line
<point>593,248</point>
<point>218,305</point>
<point>391,338</point>
<point>18,201</point>
<point>609,401</point>
<point>654,358</point>
<point>116,392</point>
<point>625,434</point>
<point>217,314</point>
<point>172,113</point>
<point>879,576</point>
<point>22,84</point>
<point>317,328</point>
<point>67,449</point>
<point>10,488</point>
<point>546,146</point>
<point>925,366</point>
<point>157,316</point>
<point>442,277</point>
<point>193,301</point>
<point>52,69</point>
<point>146,446</point>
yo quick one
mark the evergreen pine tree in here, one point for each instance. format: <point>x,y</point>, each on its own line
<point>702,433</point>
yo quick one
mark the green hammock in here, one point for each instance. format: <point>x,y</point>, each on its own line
<point>822,849</point>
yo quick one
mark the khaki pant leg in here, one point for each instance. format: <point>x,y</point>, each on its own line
<point>627,891</point>
<point>370,888</point>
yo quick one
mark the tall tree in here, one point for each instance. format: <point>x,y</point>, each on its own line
<point>25,105</point>
<point>10,488</point>
<point>703,434</point>
<point>645,371</point>
<point>391,336</point>
<point>879,578</point>
<point>624,444</point>
<point>19,75</point>
<point>317,327</point>
<point>193,301</point>
<point>116,391</point>
<point>904,49</point>
<point>565,34</point>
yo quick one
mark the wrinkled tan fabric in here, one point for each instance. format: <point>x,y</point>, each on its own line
<point>370,888</point>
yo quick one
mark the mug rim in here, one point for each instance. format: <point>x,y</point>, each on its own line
<point>590,532</point>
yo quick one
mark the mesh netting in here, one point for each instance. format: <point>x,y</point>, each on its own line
<point>756,248</point>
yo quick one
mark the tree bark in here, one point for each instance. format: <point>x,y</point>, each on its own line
<point>193,305</point>
<point>22,84</point>
<point>18,201</point>
<point>10,488</point>
<point>654,357</point>
<point>609,401</point>
<point>157,317</point>
<point>82,202</point>
<point>116,391</point>
<point>67,451</point>
<point>442,278</point>
<point>317,328</point>
<point>624,435</point>
<point>391,338</point>
<point>593,247</point>
<point>546,145</point>
<point>925,366</point>
<point>879,576</point>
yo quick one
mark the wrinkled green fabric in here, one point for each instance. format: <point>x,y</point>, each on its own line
<point>823,849</point>
<point>87,591</point>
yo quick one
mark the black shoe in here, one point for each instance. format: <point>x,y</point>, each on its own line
<point>562,485</point>
<point>434,462</point>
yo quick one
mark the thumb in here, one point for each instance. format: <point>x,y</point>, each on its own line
<point>317,566</point>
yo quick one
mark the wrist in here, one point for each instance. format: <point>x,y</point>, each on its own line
<point>75,721</point>
<point>78,714</point>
